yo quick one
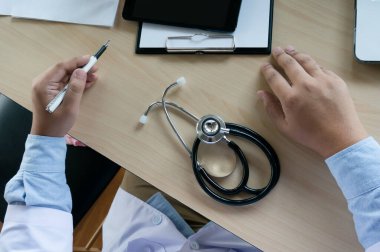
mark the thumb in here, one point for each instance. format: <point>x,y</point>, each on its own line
<point>76,87</point>
<point>273,107</point>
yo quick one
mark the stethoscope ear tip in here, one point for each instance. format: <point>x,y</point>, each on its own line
<point>143,119</point>
<point>181,81</point>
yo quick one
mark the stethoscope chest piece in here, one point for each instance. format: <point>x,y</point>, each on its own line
<point>218,160</point>
<point>211,129</point>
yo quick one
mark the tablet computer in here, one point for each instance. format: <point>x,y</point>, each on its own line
<point>367,30</point>
<point>205,14</point>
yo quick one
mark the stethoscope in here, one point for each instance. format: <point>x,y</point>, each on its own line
<point>212,130</point>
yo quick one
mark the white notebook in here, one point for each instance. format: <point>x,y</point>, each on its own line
<point>5,7</point>
<point>90,12</point>
<point>252,34</point>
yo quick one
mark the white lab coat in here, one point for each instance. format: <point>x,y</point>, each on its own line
<point>131,225</point>
<point>36,229</point>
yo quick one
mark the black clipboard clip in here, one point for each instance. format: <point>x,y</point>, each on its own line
<point>201,43</point>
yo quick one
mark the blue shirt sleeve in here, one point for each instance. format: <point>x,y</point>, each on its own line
<point>357,172</point>
<point>41,179</point>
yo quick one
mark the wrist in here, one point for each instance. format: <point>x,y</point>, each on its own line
<point>43,130</point>
<point>45,153</point>
<point>341,144</point>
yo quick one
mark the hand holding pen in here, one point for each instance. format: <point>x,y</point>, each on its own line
<point>53,105</point>
<point>49,84</point>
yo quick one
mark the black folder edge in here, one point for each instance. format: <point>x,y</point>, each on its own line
<point>257,50</point>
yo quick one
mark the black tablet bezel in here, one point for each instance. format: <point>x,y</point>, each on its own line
<point>229,26</point>
<point>242,50</point>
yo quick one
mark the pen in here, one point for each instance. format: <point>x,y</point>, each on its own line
<point>53,105</point>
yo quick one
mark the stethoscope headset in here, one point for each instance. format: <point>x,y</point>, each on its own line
<point>211,129</point>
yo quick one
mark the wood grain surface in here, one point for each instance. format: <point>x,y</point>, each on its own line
<point>305,212</point>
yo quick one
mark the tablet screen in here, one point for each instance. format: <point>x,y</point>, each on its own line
<point>217,14</point>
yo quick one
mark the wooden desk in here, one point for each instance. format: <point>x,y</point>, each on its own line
<point>305,212</point>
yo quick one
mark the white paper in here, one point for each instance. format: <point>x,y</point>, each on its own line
<point>6,7</point>
<point>251,32</point>
<point>91,12</point>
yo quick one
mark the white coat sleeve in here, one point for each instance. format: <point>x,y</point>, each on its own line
<point>28,228</point>
<point>39,216</point>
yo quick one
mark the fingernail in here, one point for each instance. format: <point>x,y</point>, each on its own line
<point>290,49</point>
<point>80,74</point>
<point>277,51</point>
<point>264,65</point>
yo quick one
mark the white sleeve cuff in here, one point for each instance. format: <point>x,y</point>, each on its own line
<point>39,216</point>
<point>374,248</point>
<point>356,168</point>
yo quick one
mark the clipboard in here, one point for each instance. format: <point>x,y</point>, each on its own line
<point>253,35</point>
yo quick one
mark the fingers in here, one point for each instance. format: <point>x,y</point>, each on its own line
<point>94,69</point>
<point>310,66</point>
<point>78,62</point>
<point>62,71</point>
<point>91,79</point>
<point>273,107</point>
<point>279,85</point>
<point>295,72</point>
<point>74,93</point>
<point>72,141</point>
<point>307,62</point>
<point>330,73</point>
<point>70,65</point>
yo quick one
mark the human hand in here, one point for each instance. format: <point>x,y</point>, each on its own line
<point>74,142</point>
<point>47,85</point>
<point>309,104</point>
